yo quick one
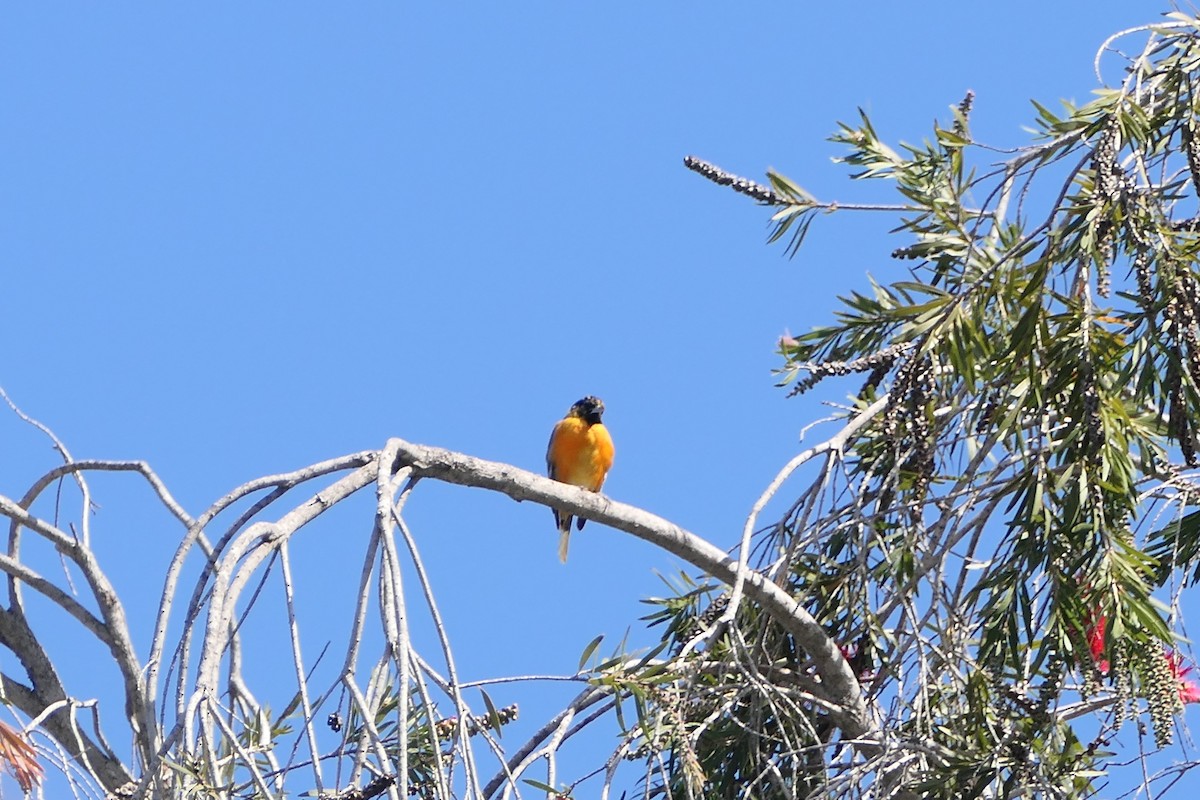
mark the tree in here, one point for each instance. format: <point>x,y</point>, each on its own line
<point>973,592</point>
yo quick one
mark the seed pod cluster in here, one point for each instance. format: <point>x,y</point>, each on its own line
<point>701,622</point>
<point>964,113</point>
<point>1108,184</point>
<point>1161,688</point>
<point>1181,315</point>
<point>1192,149</point>
<point>878,363</point>
<point>907,422</point>
<point>739,184</point>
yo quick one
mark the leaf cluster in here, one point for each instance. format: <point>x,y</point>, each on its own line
<point>983,546</point>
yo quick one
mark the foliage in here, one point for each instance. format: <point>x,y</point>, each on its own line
<point>1029,395</point>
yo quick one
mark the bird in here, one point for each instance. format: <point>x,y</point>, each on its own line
<point>580,453</point>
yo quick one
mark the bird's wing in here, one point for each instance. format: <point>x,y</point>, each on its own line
<point>551,469</point>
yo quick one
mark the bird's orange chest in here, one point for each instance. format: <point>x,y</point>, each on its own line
<point>581,454</point>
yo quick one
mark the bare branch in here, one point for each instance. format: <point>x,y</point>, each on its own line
<point>839,684</point>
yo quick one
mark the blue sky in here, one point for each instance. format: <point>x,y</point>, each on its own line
<point>241,238</point>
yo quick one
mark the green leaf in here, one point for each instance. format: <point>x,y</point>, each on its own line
<point>493,714</point>
<point>587,651</point>
<point>291,707</point>
<point>541,787</point>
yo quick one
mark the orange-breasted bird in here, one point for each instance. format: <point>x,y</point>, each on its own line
<point>580,453</point>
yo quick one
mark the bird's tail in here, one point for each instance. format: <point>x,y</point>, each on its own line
<point>564,539</point>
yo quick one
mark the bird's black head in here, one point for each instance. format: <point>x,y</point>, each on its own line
<point>589,409</point>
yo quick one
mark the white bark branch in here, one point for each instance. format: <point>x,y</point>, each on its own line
<point>840,686</point>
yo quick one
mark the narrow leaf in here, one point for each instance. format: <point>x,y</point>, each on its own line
<point>587,651</point>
